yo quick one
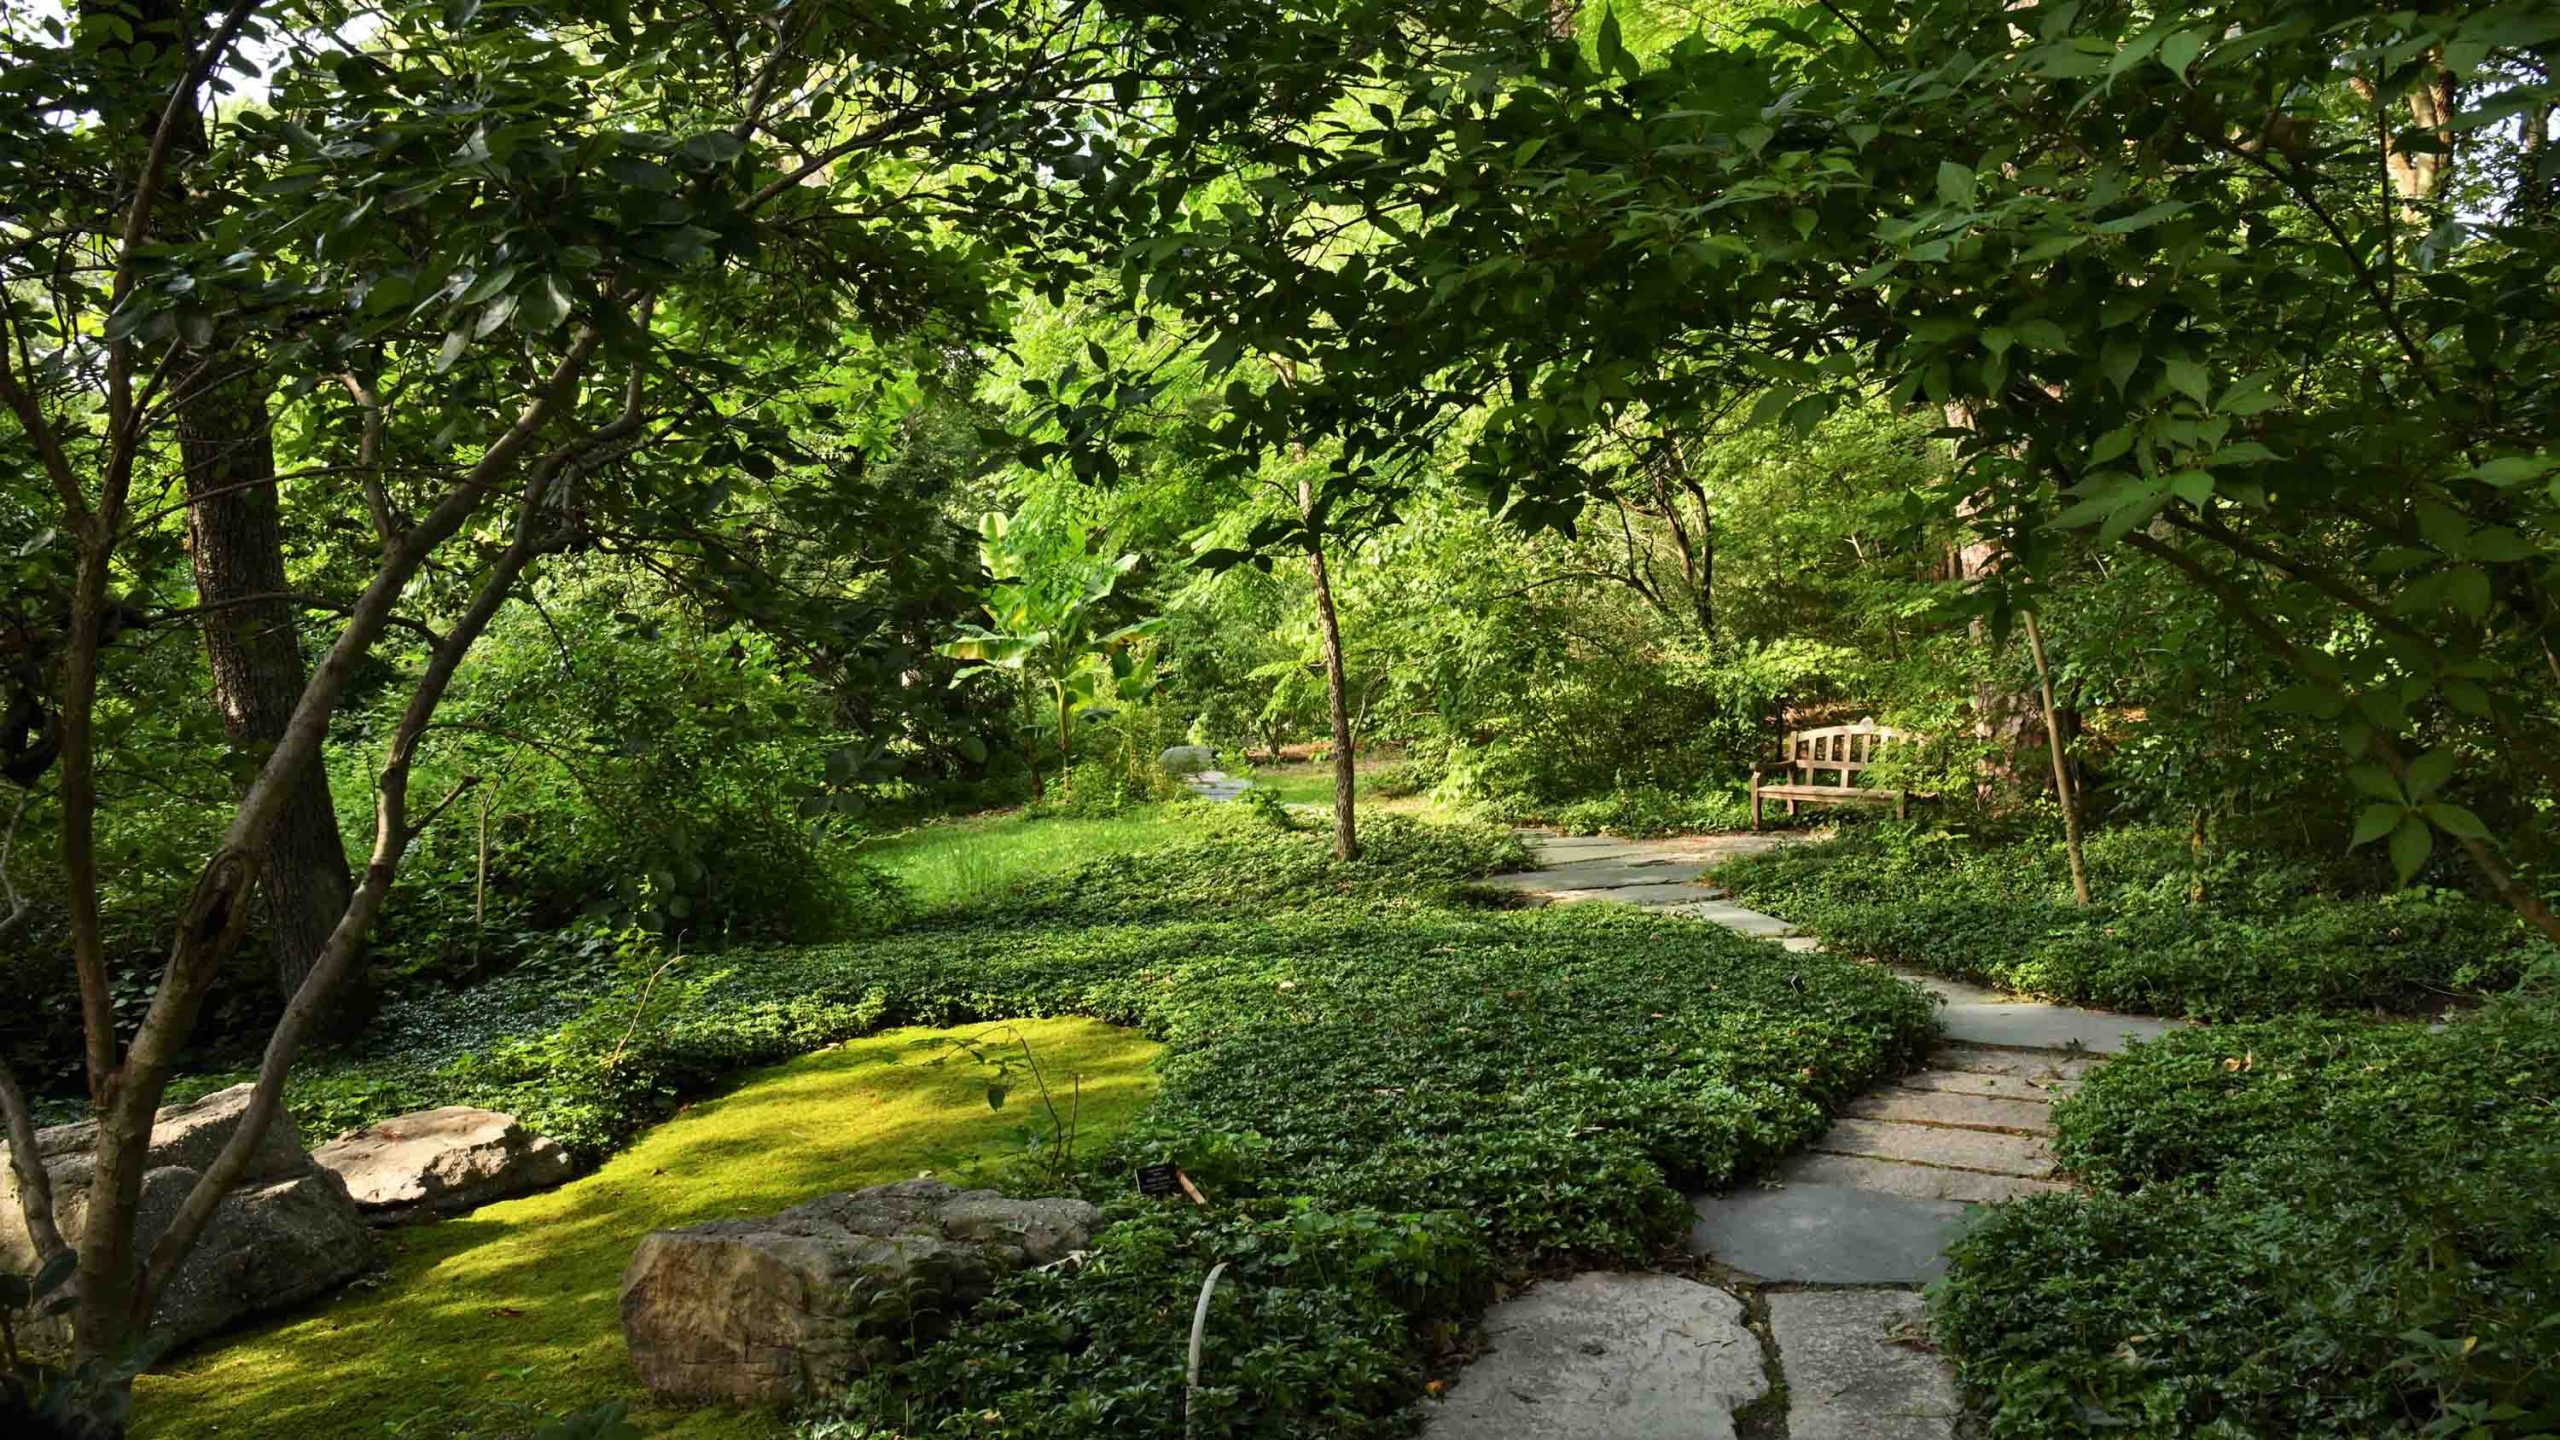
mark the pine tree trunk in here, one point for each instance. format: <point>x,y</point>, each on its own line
<point>235,538</point>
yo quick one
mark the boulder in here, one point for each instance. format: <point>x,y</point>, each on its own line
<point>285,1233</point>
<point>1187,759</point>
<point>776,1310</point>
<point>441,1162</point>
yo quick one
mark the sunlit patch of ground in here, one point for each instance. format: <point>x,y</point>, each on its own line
<point>486,1324</point>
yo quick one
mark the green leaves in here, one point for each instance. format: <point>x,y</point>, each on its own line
<point>2408,810</point>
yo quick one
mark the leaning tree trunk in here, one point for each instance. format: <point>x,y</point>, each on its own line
<point>1337,689</point>
<point>235,537</point>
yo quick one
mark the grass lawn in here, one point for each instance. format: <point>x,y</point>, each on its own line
<point>955,864</point>
<point>488,1322</point>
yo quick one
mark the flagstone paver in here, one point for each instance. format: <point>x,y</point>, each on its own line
<point>1859,1366</point>
<point>1871,1202</point>
<point>1607,1356</point>
<point>1827,1234</point>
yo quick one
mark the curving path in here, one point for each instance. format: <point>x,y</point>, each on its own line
<point>1819,1265</point>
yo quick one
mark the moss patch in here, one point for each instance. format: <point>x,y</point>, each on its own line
<point>486,1323</point>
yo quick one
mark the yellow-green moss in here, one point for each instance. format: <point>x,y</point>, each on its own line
<point>490,1321</point>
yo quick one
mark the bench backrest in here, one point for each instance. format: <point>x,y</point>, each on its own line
<point>1847,749</point>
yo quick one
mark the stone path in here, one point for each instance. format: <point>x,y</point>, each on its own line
<point>1834,1245</point>
<point>1216,785</point>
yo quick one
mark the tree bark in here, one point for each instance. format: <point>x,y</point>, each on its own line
<point>1337,689</point>
<point>2061,765</point>
<point>235,537</point>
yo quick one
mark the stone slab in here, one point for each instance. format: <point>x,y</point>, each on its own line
<point>1596,875</point>
<point>1987,1017</point>
<point>1918,1182</point>
<point>1738,918</point>
<point>2040,1068</point>
<point>1801,944</point>
<point>1663,893</point>
<point>1826,1234</point>
<point>1859,1367</point>
<point>1939,1145</point>
<point>1950,1107</point>
<point>1607,1356</point>
<point>2003,1087</point>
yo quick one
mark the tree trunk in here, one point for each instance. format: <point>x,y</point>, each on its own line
<point>236,539</point>
<point>2061,765</point>
<point>1337,689</point>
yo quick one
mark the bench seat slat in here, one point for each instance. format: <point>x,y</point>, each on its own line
<point>1830,792</point>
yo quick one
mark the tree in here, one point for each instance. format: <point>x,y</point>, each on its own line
<point>2163,261</point>
<point>568,256</point>
<point>1049,604</point>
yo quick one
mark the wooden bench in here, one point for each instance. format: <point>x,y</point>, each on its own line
<point>1842,749</point>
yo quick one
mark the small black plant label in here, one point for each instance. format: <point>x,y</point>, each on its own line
<point>1159,1180</point>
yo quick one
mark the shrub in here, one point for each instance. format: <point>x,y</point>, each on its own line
<point>2309,1228</point>
<point>2267,936</point>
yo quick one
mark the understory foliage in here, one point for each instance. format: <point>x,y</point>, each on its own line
<point>1392,1101</point>
<point>2175,930</point>
<point>2304,1227</point>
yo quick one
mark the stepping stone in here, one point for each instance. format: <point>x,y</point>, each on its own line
<point>1827,1234</point>
<point>1853,1370</point>
<point>1987,1017</point>
<point>1595,875</point>
<point>1937,1145</point>
<point>1947,1107</point>
<point>1735,917</point>
<point>1662,893</point>
<point>1918,1182</point>
<point>1607,1356</point>
<point>1801,944</point>
<point>2035,1067</point>
<point>2004,1087</point>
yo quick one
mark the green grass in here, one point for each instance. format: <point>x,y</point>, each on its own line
<point>962,864</point>
<point>487,1322</point>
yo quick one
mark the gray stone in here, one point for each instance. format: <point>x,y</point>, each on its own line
<point>1998,1087</point>
<point>1603,1356</point>
<point>776,1310</point>
<point>1187,759</point>
<point>1859,1367</point>
<point>1801,944</point>
<point>285,1233</point>
<point>1597,875</point>
<point>1939,1145</point>
<point>441,1162</point>
<point>1826,1234</point>
<point>1737,918</point>
<point>1987,1017</point>
<point>1949,1107</point>
<point>1919,1182</point>
<point>2036,1067</point>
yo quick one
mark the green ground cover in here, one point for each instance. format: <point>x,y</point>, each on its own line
<point>2304,1227</point>
<point>1394,1097</point>
<point>2240,935</point>
<point>484,1324</point>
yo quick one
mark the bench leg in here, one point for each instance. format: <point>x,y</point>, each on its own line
<point>1791,807</point>
<point>1755,803</point>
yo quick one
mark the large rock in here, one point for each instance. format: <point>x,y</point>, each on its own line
<point>772,1311</point>
<point>441,1162</point>
<point>286,1232</point>
<point>1187,759</point>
